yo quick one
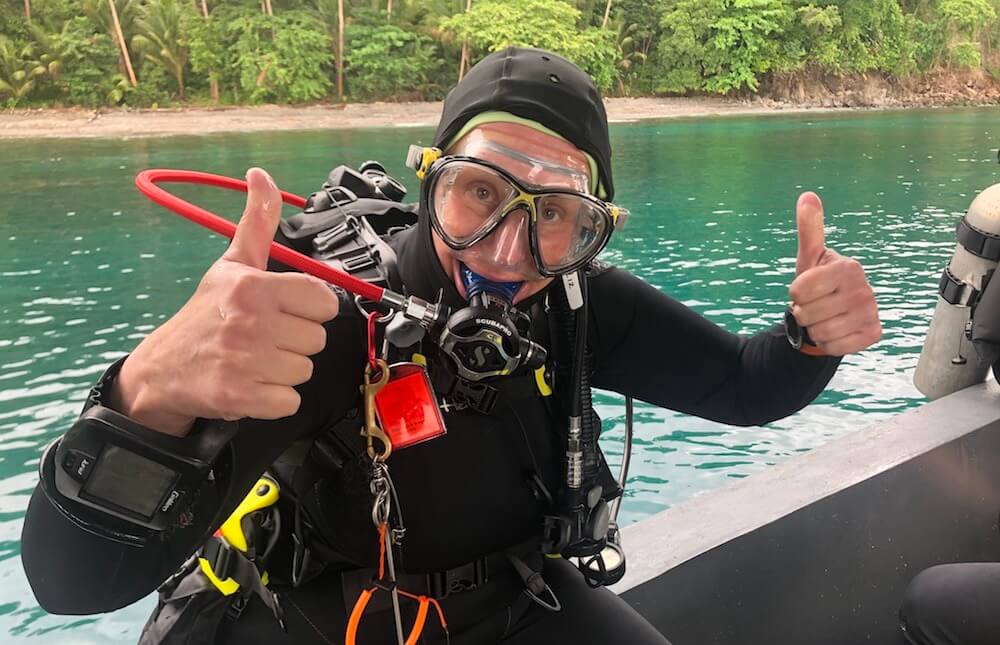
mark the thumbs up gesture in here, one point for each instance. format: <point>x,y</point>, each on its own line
<point>830,295</point>
<point>242,341</point>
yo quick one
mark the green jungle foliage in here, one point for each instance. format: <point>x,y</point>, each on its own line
<point>69,52</point>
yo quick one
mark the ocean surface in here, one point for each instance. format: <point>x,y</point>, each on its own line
<point>88,267</point>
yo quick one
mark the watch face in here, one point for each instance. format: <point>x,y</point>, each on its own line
<point>793,332</point>
<point>129,481</point>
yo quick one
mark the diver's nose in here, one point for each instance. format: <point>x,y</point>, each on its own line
<point>510,240</point>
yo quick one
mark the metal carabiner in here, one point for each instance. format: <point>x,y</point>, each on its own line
<point>372,429</point>
<point>379,487</point>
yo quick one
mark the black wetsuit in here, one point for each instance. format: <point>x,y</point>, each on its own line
<point>953,604</point>
<point>464,495</point>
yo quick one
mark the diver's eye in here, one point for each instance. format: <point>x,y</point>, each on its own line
<point>550,214</point>
<point>483,193</point>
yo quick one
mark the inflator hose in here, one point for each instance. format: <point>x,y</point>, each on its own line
<point>572,330</point>
<point>147,181</point>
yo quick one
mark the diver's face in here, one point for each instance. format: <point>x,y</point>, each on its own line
<point>536,159</point>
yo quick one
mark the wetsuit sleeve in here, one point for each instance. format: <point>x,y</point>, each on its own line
<point>72,571</point>
<point>658,350</point>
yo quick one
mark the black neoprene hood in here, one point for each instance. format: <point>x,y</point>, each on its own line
<point>538,85</point>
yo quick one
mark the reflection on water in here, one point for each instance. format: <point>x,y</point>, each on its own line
<point>88,268</point>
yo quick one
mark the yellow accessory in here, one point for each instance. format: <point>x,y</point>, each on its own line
<point>543,388</point>
<point>262,495</point>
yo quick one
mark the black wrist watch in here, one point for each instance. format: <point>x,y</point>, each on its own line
<point>798,336</point>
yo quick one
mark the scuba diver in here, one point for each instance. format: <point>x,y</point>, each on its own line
<point>453,522</point>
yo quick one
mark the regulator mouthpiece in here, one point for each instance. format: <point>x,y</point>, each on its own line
<point>476,284</point>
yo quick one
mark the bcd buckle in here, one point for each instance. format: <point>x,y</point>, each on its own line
<point>464,578</point>
<point>219,557</point>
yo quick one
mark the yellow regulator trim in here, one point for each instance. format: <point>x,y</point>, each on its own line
<point>263,494</point>
<point>543,387</point>
<point>419,359</point>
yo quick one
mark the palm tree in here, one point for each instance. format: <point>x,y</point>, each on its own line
<point>213,82</point>
<point>117,18</point>
<point>628,54</point>
<point>340,50</point>
<point>463,62</point>
<point>161,40</point>
<point>607,14</point>
<point>27,10</point>
<point>18,70</point>
<point>48,52</point>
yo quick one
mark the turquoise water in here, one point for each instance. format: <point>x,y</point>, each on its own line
<point>88,267</point>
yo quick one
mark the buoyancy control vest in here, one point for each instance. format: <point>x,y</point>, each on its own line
<point>498,473</point>
<point>513,422</point>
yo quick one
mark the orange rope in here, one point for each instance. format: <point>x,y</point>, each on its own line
<point>381,549</point>
<point>423,602</point>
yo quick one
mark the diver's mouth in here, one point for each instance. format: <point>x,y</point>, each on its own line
<point>456,277</point>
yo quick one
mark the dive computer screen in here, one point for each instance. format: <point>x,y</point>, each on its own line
<point>129,481</point>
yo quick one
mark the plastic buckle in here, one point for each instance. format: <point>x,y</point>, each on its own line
<point>359,262</point>
<point>236,607</point>
<point>219,556</point>
<point>334,237</point>
<point>437,585</point>
<point>464,578</point>
<point>478,396</point>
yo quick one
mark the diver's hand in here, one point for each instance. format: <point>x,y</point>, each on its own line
<point>830,294</point>
<point>242,341</point>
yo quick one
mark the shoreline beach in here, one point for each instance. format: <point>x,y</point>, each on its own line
<point>81,123</point>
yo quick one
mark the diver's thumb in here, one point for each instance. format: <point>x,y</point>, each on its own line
<point>812,239</point>
<point>256,229</point>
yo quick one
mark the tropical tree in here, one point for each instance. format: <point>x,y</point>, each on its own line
<point>492,25</point>
<point>161,39</point>
<point>629,55</point>
<point>463,62</point>
<point>720,45</point>
<point>19,70</point>
<point>963,22</point>
<point>284,58</point>
<point>49,51</point>
<point>331,12</point>
<point>213,77</point>
<point>117,19</point>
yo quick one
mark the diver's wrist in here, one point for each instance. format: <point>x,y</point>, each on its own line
<point>798,336</point>
<point>132,394</point>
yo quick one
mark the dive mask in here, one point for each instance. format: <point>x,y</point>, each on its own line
<point>492,220</point>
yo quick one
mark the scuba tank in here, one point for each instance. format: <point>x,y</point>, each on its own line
<point>966,312</point>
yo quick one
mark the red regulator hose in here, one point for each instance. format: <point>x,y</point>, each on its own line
<point>147,181</point>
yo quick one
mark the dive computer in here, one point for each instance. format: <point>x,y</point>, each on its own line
<point>115,465</point>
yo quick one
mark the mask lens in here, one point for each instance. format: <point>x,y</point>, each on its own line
<point>468,199</point>
<point>569,228</point>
